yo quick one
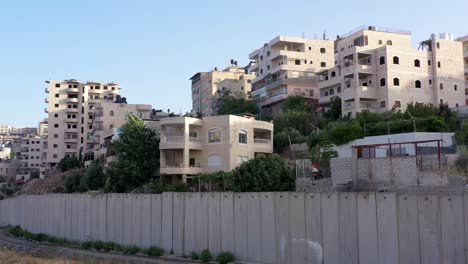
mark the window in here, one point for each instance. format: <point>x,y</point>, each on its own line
<point>56,115</point>
<point>417,63</point>
<point>389,42</point>
<point>241,159</point>
<point>55,135</point>
<point>323,50</point>
<point>438,45</point>
<point>380,42</point>
<point>396,82</point>
<point>268,53</point>
<point>310,48</point>
<point>438,64</point>
<point>57,95</point>
<point>55,156</point>
<point>55,146</point>
<point>396,60</point>
<point>417,84</point>
<point>382,60</point>
<point>297,62</point>
<point>333,74</point>
<point>57,85</point>
<point>56,125</point>
<point>382,82</point>
<point>214,135</point>
<point>323,64</point>
<point>441,86</point>
<point>455,87</point>
<point>326,93</point>
<point>338,90</point>
<point>243,137</point>
<point>268,67</point>
<point>441,101</point>
<point>382,104</point>
<point>332,92</point>
<point>397,104</point>
<point>56,105</point>
<point>430,81</point>
<point>214,161</point>
<point>311,92</point>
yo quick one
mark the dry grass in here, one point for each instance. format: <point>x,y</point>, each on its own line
<point>11,257</point>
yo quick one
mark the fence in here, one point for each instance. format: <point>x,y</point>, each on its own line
<point>261,227</point>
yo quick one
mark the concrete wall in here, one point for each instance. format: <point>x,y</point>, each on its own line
<point>286,228</point>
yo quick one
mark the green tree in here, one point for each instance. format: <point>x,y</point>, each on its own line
<point>137,152</point>
<point>237,105</point>
<point>334,113</point>
<point>68,163</point>
<point>298,120</point>
<point>461,135</point>
<point>73,182</point>
<point>94,177</point>
<point>264,173</point>
<point>281,139</point>
<point>344,132</point>
<point>295,103</point>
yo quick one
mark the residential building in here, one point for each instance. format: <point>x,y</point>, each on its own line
<point>32,158</point>
<point>70,108</point>
<point>206,85</point>
<point>5,152</point>
<point>378,70</point>
<point>8,167</point>
<point>5,129</point>
<point>216,143</point>
<point>287,66</point>
<point>464,40</point>
<point>42,129</point>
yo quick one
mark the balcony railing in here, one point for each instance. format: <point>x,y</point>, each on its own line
<point>262,141</point>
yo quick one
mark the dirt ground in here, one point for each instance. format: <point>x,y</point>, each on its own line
<point>11,257</point>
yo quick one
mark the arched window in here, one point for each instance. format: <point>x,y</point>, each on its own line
<point>242,136</point>
<point>389,42</point>
<point>396,60</point>
<point>111,113</point>
<point>214,135</point>
<point>417,84</point>
<point>417,63</point>
<point>214,161</point>
<point>333,74</point>
<point>382,60</point>
<point>382,82</point>
<point>323,64</point>
<point>396,82</point>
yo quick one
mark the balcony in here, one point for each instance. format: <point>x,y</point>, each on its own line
<point>367,92</point>
<point>181,170</point>
<point>179,142</point>
<point>348,93</point>
<point>46,100</point>
<point>46,90</point>
<point>348,105</point>
<point>71,110</point>
<point>71,120</point>
<point>367,105</point>
<point>46,110</point>
<point>72,90</point>
<point>364,68</point>
<point>72,100</point>
<point>68,130</point>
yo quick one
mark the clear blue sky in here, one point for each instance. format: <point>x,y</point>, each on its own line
<point>153,47</point>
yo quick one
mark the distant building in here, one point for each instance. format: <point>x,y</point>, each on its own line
<point>464,40</point>
<point>5,129</point>
<point>216,143</point>
<point>32,158</point>
<point>8,167</point>
<point>287,66</point>
<point>42,128</point>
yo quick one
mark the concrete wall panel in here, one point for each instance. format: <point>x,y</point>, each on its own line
<point>348,227</point>
<point>167,220</point>
<point>127,219</point>
<point>313,214</point>
<point>387,226</point>
<point>240,226</point>
<point>465,213</point>
<point>367,228</point>
<point>136,220</point>
<point>214,223</point>
<point>156,219</point>
<point>201,233</point>
<point>282,228</point>
<point>190,222</point>
<point>267,214</point>
<point>178,224</point>
<point>94,217</point>
<point>118,217</point>
<point>75,216</point>
<point>102,223</point>
<point>408,231</point>
<point>145,220</point>
<point>81,217</point>
<point>227,222</point>
<point>111,236</point>
<point>331,229</point>
<point>297,227</point>
<point>68,215</point>
<point>429,229</point>
<point>254,230</point>
<point>87,217</point>
<point>452,221</point>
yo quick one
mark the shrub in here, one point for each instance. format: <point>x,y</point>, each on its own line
<point>98,245</point>
<point>154,251</point>
<point>94,177</point>
<point>16,231</point>
<point>87,245</point>
<point>73,182</point>
<point>195,256</point>
<point>344,132</point>
<point>69,163</point>
<point>205,256</point>
<point>130,250</point>
<point>225,258</point>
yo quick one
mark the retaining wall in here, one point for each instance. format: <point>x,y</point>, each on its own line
<point>283,227</point>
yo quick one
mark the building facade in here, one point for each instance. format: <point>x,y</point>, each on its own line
<point>464,41</point>
<point>206,85</point>
<point>32,158</point>
<point>70,108</point>
<point>217,143</point>
<point>8,167</point>
<point>378,70</point>
<point>287,66</point>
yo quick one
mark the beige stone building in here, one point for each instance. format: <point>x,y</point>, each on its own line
<point>5,129</point>
<point>216,143</point>
<point>8,167</point>
<point>42,128</point>
<point>205,86</point>
<point>464,40</point>
<point>286,66</point>
<point>70,106</point>
<point>377,69</point>
<point>32,158</point>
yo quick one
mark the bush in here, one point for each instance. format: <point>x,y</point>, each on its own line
<point>130,250</point>
<point>205,256</point>
<point>69,163</point>
<point>154,251</point>
<point>344,132</point>
<point>462,163</point>
<point>94,177</point>
<point>73,182</point>
<point>264,173</point>
<point>225,258</point>
<point>87,245</point>
<point>281,139</point>
<point>16,231</point>
<point>195,256</point>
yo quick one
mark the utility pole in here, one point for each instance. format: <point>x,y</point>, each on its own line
<point>414,121</point>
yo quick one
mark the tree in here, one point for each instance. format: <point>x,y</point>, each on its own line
<point>68,163</point>
<point>137,152</point>
<point>461,135</point>
<point>344,132</point>
<point>233,106</point>
<point>281,139</point>
<point>334,113</point>
<point>298,120</point>
<point>264,173</point>
<point>295,103</point>
<point>94,177</point>
<point>73,182</point>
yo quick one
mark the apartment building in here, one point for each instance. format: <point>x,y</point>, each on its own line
<point>109,117</point>
<point>377,69</point>
<point>464,40</point>
<point>8,167</point>
<point>287,66</point>
<point>42,128</point>
<point>206,85</point>
<point>5,129</point>
<point>216,143</point>
<point>32,158</point>
<point>70,108</point>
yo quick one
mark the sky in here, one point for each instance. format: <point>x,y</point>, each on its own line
<point>152,47</point>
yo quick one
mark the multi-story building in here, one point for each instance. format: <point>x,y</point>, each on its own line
<point>32,158</point>
<point>464,40</point>
<point>216,143</point>
<point>70,106</point>
<point>377,69</point>
<point>8,167</point>
<point>206,85</point>
<point>42,128</point>
<point>5,129</point>
<point>287,66</point>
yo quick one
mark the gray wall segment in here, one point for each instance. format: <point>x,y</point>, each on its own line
<point>87,217</point>
<point>387,227</point>
<point>178,224</point>
<point>408,230</point>
<point>452,223</point>
<point>102,233</point>
<point>201,232</point>
<point>94,217</point>
<point>127,219</point>
<point>348,227</point>
<point>465,215</point>
<point>156,219</point>
<point>227,222</point>
<point>145,220</point>
<point>429,229</point>
<point>330,228</point>
<point>297,227</point>
<point>367,228</point>
<point>282,228</point>
<point>313,214</point>
<point>167,220</point>
<point>68,216</point>
<point>111,219</point>
<point>214,223</point>
<point>254,230</point>
<point>118,215</point>
<point>190,224</point>
<point>136,220</point>
<point>240,226</point>
<point>267,214</point>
